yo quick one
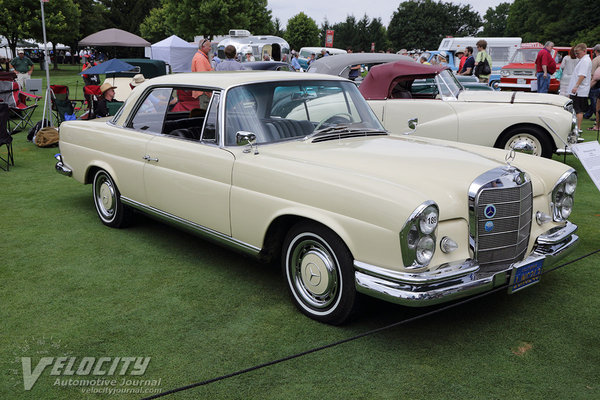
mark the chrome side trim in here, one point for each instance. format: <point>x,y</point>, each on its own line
<point>197,229</point>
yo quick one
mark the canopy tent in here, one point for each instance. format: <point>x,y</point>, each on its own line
<point>176,52</point>
<point>113,37</point>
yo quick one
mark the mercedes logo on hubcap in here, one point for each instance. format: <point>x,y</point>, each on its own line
<point>314,275</point>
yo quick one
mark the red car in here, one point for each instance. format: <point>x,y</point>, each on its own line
<point>519,74</point>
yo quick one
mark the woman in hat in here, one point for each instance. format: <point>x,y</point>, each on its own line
<point>108,95</point>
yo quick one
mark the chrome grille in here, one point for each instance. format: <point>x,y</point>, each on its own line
<point>501,237</point>
<point>527,72</point>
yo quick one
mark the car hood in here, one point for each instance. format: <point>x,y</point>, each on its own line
<point>512,97</point>
<point>409,170</point>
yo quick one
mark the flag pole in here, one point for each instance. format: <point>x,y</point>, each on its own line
<point>47,99</point>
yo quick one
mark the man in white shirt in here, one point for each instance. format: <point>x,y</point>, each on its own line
<point>579,86</point>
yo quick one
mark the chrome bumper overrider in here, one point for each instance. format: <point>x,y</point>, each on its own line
<point>460,279</point>
<point>60,166</point>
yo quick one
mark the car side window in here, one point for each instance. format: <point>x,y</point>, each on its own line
<point>211,128</point>
<point>187,112</point>
<point>150,114</point>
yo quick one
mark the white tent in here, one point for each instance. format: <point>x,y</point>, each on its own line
<point>176,52</point>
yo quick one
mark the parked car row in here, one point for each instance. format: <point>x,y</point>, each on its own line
<point>298,168</point>
<point>520,73</point>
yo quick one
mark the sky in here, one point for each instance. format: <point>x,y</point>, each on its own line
<point>337,10</point>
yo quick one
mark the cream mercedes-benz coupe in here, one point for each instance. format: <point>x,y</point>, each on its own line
<point>281,166</point>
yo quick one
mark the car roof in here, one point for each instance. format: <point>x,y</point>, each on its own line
<point>376,84</point>
<point>225,79</point>
<point>335,65</point>
<point>263,65</point>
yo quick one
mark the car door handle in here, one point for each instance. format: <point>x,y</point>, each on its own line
<point>148,158</point>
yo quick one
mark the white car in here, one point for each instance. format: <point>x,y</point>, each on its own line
<point>402,93</point>
<point>300,170</point>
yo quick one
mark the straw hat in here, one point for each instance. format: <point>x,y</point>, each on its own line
<point>106,86</point>
<point>137,80</point>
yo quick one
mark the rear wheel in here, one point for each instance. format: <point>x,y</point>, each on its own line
<point>107,200</point>
<point>318,270</point>
<point>527,140</point>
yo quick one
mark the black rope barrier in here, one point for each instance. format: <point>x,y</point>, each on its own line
<point>356,337</point>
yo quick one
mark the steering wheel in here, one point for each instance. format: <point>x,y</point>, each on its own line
<point>327,118</point>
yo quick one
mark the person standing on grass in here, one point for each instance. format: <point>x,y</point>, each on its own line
<point>594,88</point>
<point>567,66</point>
<point>579,86</point>
<point>545,66</point>
<point>469,64</point>
<point>230,63</point>
<point>201,63</point>
<point>481,57</point>
<point>23,67</point>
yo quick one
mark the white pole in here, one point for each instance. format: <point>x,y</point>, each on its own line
<point>47,100</point>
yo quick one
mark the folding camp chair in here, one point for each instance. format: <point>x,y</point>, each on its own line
<point>11,95</point>
<point>61,104</point>
<point>7,76</point>
<point>5,138</point>
<point>92,94</point>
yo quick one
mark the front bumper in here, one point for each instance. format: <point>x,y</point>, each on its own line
<point>60,166</point>
<point>461,279</point>
<point>515,86</point>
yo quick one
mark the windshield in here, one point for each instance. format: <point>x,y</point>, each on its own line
<point>524,56</point>
<point>277,111</point>
<point>448,84</point>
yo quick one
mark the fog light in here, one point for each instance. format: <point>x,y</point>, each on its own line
<point>425,249</point>
<point>448,245</point>
<point>542,218</point>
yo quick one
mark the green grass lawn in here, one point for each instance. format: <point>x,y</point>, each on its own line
<point>69,286</point>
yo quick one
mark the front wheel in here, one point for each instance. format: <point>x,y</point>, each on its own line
<point>319,273</point>
<point>527,140</point>
<point>107,200</point>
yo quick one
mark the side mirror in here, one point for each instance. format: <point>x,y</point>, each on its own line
<point>412,125</point>
<point>246,138</point>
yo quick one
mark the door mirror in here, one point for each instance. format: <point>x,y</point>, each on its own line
<point>246,138</point>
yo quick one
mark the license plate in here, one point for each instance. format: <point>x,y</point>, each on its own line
<point>521,81</point>
<point>525,275</point>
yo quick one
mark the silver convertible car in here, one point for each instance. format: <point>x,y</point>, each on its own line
<point>296,168</point>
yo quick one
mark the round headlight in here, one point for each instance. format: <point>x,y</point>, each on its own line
<point>425,249</point>
<point>504,72</point>
<point>429,220</point>
<point>566,206</point>
<point>571,184</point>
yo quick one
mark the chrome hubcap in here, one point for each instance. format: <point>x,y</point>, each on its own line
<point>525,143</point>
<point>105,197</point>
<point>314,273</point>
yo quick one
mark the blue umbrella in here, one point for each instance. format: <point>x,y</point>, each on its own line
<point>108,67</point>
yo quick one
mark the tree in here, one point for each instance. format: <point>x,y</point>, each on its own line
<point>277,28</point>
<point>422,24</point>
<point>155,27</point>
<point>494,20</point>
<point>127,14</point>
<point>62,23</point>
<point>555,20</point>
<point>302,31</point>
<point>188,18</point>
<point>15,20</point>
<point>323,32</point>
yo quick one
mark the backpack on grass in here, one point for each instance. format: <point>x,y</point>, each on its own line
<point>46,137</point>
<point>36,128</point>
